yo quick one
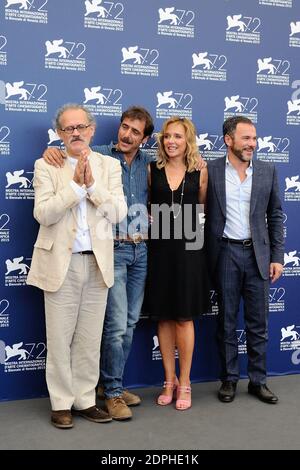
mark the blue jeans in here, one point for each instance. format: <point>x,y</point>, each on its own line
<point>123,308</point>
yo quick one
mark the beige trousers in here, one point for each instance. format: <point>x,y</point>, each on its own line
<point>74,321</point>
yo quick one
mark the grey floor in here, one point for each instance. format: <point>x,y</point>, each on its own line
<point>245,423</point>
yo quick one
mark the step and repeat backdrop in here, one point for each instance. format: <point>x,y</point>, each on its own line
<point>202,59</point>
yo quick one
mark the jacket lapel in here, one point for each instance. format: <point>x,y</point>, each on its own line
<point>219,181</point>
<point>257,184</point>
<point>96,166</point>
<point>97,171</point>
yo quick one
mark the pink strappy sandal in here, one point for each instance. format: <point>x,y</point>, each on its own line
<point>182,404</point>
<point>164,400</point>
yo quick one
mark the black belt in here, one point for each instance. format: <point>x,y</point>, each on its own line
<point>87,252</point>
<point>247,242</point>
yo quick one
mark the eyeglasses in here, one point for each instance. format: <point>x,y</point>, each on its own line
<point>80,128</point>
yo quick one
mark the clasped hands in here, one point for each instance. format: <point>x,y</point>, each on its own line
<point>83,172</point>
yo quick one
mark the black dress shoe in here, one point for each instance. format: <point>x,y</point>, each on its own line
<point>262,392</point>
<point>227,391</point>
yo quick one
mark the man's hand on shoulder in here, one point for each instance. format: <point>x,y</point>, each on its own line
<point>201,163</point>
<point>54,156</point>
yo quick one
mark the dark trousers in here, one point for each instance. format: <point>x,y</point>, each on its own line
<point>237,277</point>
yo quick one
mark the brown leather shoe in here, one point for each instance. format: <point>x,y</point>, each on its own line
<point>62,419</point>
<point>117,408</point>
<point>93,414</point>
<point>131,399</point>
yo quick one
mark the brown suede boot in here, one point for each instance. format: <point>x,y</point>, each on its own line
<point>117,408</point>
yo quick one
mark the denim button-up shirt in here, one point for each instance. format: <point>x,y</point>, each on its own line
<point>135,186</point>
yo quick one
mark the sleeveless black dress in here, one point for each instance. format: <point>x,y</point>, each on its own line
<point>177,285</point>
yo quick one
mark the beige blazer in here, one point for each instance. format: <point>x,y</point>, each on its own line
<point>55,208</point>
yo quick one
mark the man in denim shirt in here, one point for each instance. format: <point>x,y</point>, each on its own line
<point>130,259</point>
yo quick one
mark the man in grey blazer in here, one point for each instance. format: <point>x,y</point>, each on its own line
<point>72,262</point>
<point>244,242</point>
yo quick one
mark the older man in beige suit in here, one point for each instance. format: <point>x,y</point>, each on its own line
<point>72,262</point>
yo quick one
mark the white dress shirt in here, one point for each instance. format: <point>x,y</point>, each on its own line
<point>82,240</point>
<point>238,195</point>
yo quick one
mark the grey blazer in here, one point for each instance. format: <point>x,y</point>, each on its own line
<point>266,216</point>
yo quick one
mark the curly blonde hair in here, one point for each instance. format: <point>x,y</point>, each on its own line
<point>192,152</point>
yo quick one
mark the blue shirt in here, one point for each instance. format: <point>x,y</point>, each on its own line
<point>135,186</point>
<point>238,195</point>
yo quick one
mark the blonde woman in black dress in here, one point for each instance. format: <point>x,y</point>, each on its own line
<point>177,285</point>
